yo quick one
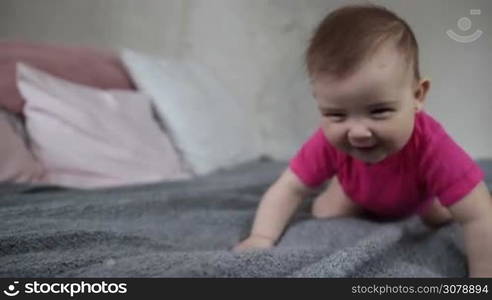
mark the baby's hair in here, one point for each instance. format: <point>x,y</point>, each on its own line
<point>351,34</point>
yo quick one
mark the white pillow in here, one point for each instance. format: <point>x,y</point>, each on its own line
<point>88,137</point>
<point>208,125</point>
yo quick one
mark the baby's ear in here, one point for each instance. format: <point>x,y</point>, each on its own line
<point>420,93</point>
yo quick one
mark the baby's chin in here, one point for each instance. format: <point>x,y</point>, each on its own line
<point>372,161</point>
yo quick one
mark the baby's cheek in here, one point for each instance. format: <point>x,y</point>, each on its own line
<point>334,136</point>
<point>399,133</point>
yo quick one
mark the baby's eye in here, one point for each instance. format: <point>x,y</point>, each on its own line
<point>381,111</point>
<point>337,117</point>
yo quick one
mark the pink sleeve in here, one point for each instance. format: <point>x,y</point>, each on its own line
<point>450,173</point>
<point>314,163</point>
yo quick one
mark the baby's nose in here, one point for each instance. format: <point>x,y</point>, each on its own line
<point>360,135</point>
<point>359,131</point>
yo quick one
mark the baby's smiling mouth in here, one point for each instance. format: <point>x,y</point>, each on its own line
<point>365,149</point>
<point>362,149</point>
<point>362,144</point>
<point>367,146</point>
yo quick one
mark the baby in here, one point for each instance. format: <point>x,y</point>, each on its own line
<point>383,153</point>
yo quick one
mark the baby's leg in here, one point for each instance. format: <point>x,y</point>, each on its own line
<point>436,215</point>
<point>333,202</point>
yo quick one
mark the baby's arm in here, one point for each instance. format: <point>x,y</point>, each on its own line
<point>277,206</point>
<point>474,212</point>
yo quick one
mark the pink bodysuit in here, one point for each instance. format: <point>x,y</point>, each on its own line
<point>430,165</point>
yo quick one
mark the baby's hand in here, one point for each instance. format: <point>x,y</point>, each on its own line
<point>254,242</point>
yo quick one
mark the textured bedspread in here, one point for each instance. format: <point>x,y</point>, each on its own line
<point>186,229</point>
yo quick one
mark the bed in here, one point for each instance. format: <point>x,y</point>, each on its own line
<point>176,211</point>
<point>187,228</point>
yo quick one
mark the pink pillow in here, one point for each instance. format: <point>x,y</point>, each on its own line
<point>97,68</point>
<point>88,138</point>
<point>16,162</point>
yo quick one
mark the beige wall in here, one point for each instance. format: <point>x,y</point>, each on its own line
<point>151,25</point>
<point>256,48</point>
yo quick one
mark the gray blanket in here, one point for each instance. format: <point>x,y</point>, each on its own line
<point>186,229</point>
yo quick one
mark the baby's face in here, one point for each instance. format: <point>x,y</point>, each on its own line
<point>370,114</point>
